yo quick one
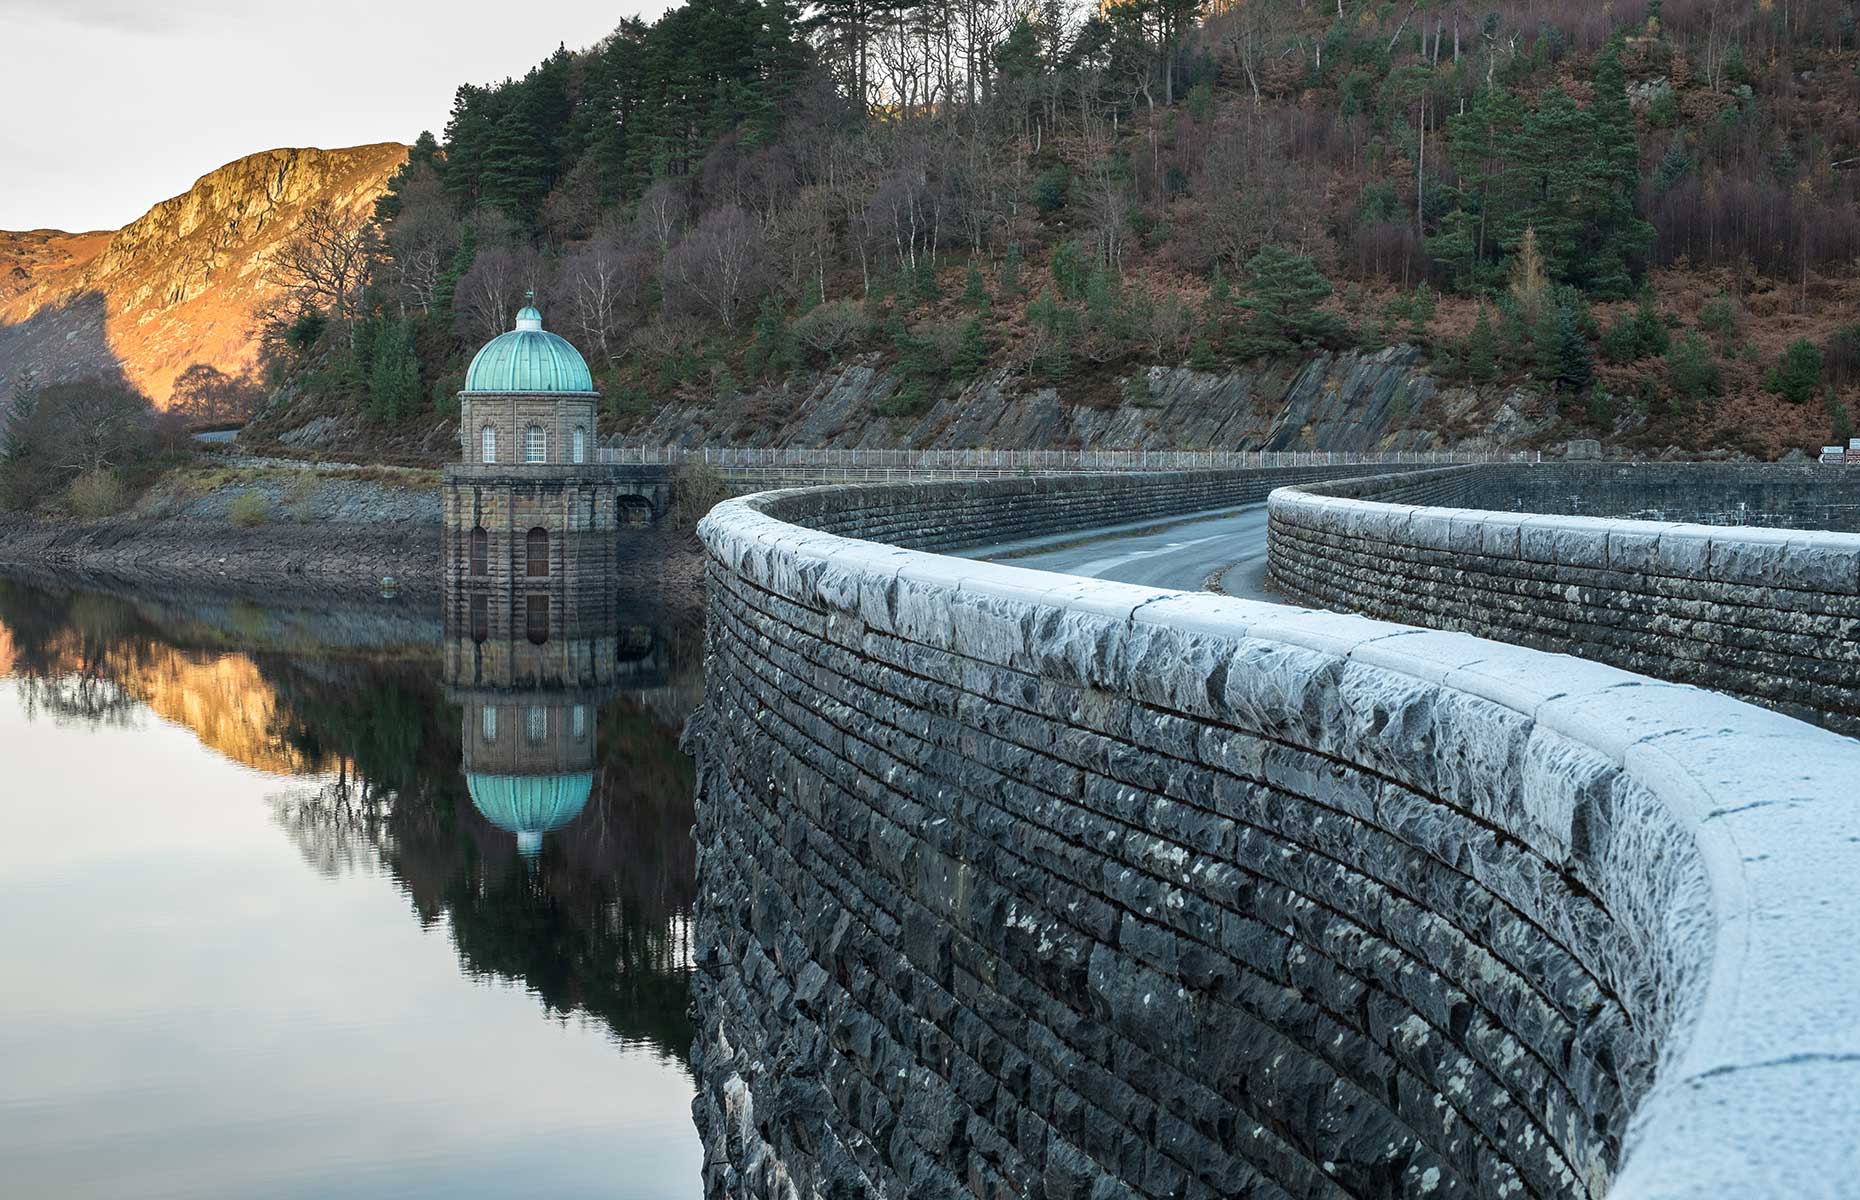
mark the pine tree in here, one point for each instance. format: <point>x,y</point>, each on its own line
<point>1563,357</point>
<point>1009,275</point>
<point>971,350</point>
<point>1220,295</point>
<point>1201,355</point>
<point>1692,369</point>
<point>974,290</point>
<point>1614,235</point>
<point>394,375</point>
<point>1481,349</point>
<point>1281,302</point>
<point>1796,377</point>
<point>1421,308</point>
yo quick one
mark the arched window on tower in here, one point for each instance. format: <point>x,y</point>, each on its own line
<point>535,444</point>
<point>536,553</point>
<point>480,551</point>
<point>487,444</point>
<point>581,444</point>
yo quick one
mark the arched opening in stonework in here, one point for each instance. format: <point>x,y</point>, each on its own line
<point>480,617</point>
<point>536,553</point>
<point>535,444</point>
<point>634,643</point>
<point>487,444</point>
<point>536,618</point>
<point>581,444</point>
<point>536,724</point>
<point>480,551</point>
<point>633,512</point>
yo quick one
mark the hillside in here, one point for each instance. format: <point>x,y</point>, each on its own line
<point>1636,222</point>
<point>181,284</point>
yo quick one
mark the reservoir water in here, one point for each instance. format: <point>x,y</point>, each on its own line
<point>283,916</point>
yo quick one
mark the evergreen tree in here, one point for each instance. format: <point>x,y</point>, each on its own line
<point>1481,351</point>
<point>1797,376</point>
<point>1220,295</point>
<point>1201,355</point>
<point>1009,275</point>
<point>1514,335</point>
<point>971,350</point>
<point>1104,303</point>
<point>424,153</point>
<point>1069,271</point>
<point>1563,357</point>
<point>772,351</point>
<point>523,154</point>
<point>1840,422</point>
<point>1281,304</point>
<point>1692,368</point>
<point>1615,236</point>
<point>974,291</point>
<point>1421,308</point>
<point>394,375</point>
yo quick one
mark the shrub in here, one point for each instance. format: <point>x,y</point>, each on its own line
<point>248,509</point>
<point>695,491</point>
<point>831,327</point>
<point>96,494</point>
<point>1797,376</point>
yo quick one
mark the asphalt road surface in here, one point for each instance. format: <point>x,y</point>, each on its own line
<point>1179,553</point>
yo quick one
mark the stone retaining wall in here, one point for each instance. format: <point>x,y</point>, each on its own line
<point>1015,884</point>
<point>1769,614</point>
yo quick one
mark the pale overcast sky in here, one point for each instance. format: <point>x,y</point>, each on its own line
<point>107,106</point>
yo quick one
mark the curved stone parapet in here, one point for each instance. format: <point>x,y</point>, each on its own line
<point>1768,614</point>
<point>1017,884</point>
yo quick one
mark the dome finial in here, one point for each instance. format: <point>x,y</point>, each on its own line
<point>529,316</point>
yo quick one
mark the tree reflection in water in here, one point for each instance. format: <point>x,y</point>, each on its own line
<point>596,923</point>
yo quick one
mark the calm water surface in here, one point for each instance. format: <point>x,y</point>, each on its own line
<point>259,941</point>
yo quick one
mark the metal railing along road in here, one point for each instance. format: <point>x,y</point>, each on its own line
<point>840,464</point>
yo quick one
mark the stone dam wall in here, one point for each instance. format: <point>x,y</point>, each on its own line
<point>1765,610</point>
<point>1016,884</point>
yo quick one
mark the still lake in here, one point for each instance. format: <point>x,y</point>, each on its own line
<point>261,938</point>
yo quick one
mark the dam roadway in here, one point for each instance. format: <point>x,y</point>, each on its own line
<point>1181,552</point>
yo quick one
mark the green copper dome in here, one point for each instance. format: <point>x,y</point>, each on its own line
<point>528,359</point>
<point>529,805</point>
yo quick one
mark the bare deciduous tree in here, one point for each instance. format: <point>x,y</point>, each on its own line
<point>422,240</point>
<point>600,282</point>
<point>720,266</point>
<point>326,259</point>
<point>489,294</point>
<point>207,395</point>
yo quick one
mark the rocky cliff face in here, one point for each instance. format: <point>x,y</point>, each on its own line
<point>180,284</point>
<point>1353,401</point>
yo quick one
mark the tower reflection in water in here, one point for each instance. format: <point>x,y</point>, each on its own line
<point>569,699</point>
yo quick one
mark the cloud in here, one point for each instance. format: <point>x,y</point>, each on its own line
<point>123,16</point>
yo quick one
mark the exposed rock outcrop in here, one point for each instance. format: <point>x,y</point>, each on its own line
<point>1351,401</point>
<point>180,284</point>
